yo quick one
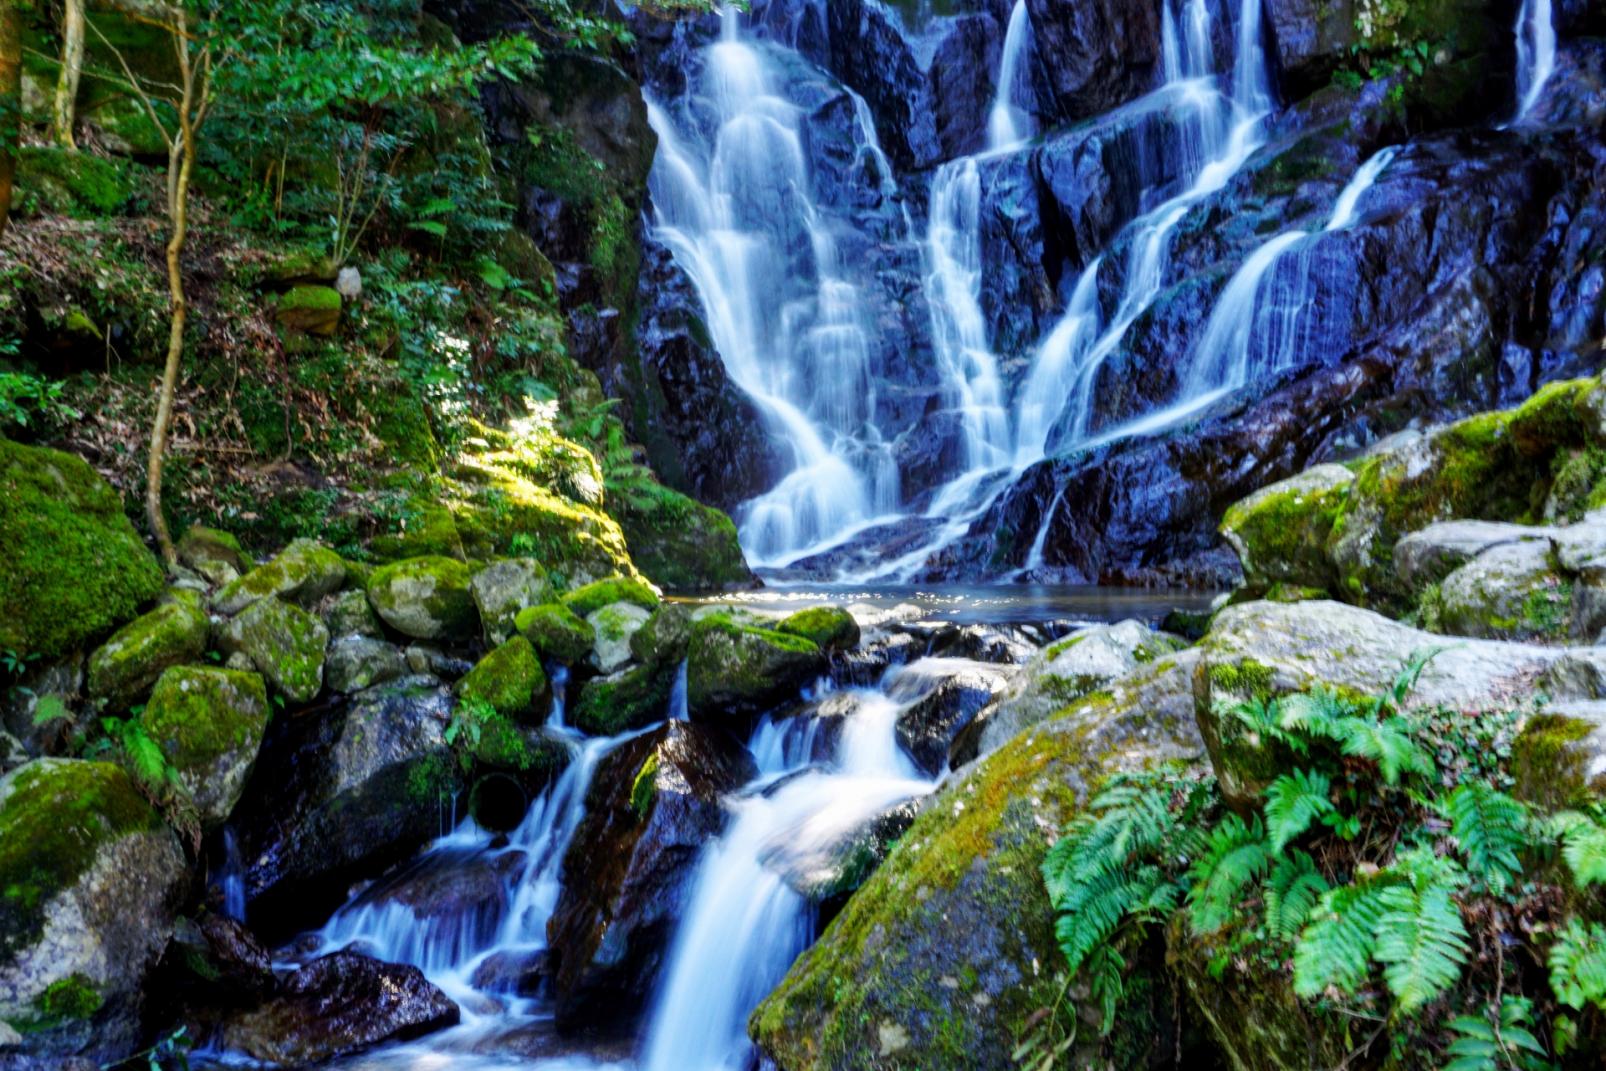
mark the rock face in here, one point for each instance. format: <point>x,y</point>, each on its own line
<point>75,569</point>
<point>937,961</point>
<point>1095,56</point>
<point>426,598</point>
<point>510,680</point>
<point>123,669</point>
<point>504,588</point>
<point>654,802</point>
<point>209,723</point>
<point>338,1005</point>
<point>927,726</point>
<point>90,879</point>
<point>354,662</point>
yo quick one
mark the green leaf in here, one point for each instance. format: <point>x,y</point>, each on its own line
<point>1335,948</point>
<point>1293,802</point>
<point>1421,940</point>
<point>1490,827</point>
<point>1292,893</point>
<point>1236,856</point>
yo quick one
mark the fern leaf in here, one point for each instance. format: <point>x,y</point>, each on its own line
<point>1578,965</point>
<point>1237,857</point>
<point>1314,714</point>
<point>1583,845</point>
<point>1421,940</point>
<point>1335,948</point>
<point>1388,743</point>
<point>1293,802</point>
<point>1490,828</point>
<point>146,760</point>
<point>1292,893</point>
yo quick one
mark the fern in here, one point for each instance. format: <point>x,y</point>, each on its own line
<point>1496,1042</point>
<point>1236,856</point>
<point>1292,892</point>
<point>1490,828</point>
<point>1335,949</point>
<point>1583,845</point>
<point>1421,940</point>
<point>1293,802</point>
<point>1387,743</point>
<point>1314,714</point>
<point>1578,965</point>
<point>1404,684</point>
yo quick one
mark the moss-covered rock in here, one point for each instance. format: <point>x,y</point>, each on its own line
<point>735,668</point>
<point>90,878</point>
<point>1281,532</point>
<point>304,572</point>
<point>62,182</point>
<point>829,627</point>
<point>619,702</point>
<point>209,723</point>
<point>939,960</point>
<point>351,614</point>
<point>664,637</point>
<point>679,543</point>
<point>285,643</point>
<point>213,553</point>
<point>313,310</point>
<point>1512,591</point>
<point>354,662</point>
<point>509,678</point>
<point>74,568</point>
<point>1558,760</point>
<point>556,632</point>
<point>592,597</point>
<point>123,669</point>
<point>613,627</point>
<point>504,588</point>
<point>425,598</point>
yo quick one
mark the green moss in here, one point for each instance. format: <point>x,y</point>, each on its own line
<point>1547,611</point>
<point>733,665</point>
<point>509,678</point>
<point>828,627</point>
<point>635,697</point>
<point>1553,418</point>
<point>126,665</point>
<point>63,182</point>
<point>1283,532</point>
<point>323,298</point>
<point>304,571</point>
<point>1548,766</point>
<point>592,597</point>
<point>556,632</point>
<point>55,816</point>
<point>1246,679</point>
<point>427,597</point>
<point>644,789</point>
<point>198,714</point>
<point>68,999</point>
<point>679,543</point>
<point>74,567</point>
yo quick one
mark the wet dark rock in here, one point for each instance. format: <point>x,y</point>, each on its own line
<point>522,974</point>
<point>827,874</point>
<point>451,893</point>
<point>927,727</point>
<point>338,1005</point>
<point>654,803</point>
<point>1092,57</point>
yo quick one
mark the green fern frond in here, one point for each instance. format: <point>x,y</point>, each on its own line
<point>1314,714</point>
<point>1583,845</point>
<point>1106,971</point>
<point>1335,948</point>
<point>1495,1043</point>
<point>1421,940</point>
<point>1490,828</point>
<point>1292,892</point>
<point>1578,965</point>
<point>1237,857</point>
<point>1388,743</point>
<point>1293,802</point>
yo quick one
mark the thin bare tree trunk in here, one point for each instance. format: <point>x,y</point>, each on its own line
<point>64,111</point>
<point>10,99</point>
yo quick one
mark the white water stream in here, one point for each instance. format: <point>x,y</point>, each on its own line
<point>1536,52</point>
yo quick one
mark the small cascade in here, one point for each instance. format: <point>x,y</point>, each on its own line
<point>1007,123</point>
<point>232,880</point>
<point>733,204</point>
<point>744,924</point>
<point>1536,52</point>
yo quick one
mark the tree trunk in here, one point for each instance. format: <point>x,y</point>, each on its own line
<point>64,111</point>
<point>10,99</point>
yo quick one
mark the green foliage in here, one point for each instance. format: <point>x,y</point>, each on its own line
<point>1491,829</point>
<point>1237,855</point>
<point>1578,965</point>
<point>1583,844</point>
<point>1500,1040</point>
<point>1421,940</point>
<point>1292,893</point>
<point>28,402</point>
<point>1293,802</point>
<point>1334,951</point>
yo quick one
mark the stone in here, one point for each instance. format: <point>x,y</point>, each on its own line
<point>348,283</point>
<point>429,659</point>
<point>612,627</point>
<point>503,589</point>
<point>586,600</point>
<point>654,803</point>
<point>426,598</point>
<point>75,568</point>
<point>209,724</point>
<point>312,310</point>
<point>556,633</point>
<point>213,553</point>
<point>1558,759</point>
<point>926,727</point>
<point>285,643</point>
<point>735,669</point>
<point>829,627</point>
<point>1281,532</point>
<point>304,572</point>
<point>681,544</point>
<point>629,699</point>
<point>355,662</point>
<point>664,637</point>
<point>350,614</point>
<point>90,879</point>
<point>122,670</point>
<point>825,872</point>
<point>337,1005</point>
<point>1510,591</point>
<point>1429,555</point>
<point>509,679</point>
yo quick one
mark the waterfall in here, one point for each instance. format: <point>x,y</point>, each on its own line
<point>744,924</point>
<point>232,880</point>
<point>1536,52</point>
<point>733,205</point>
<point>1008,124</point>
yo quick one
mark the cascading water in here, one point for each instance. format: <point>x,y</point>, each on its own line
<point>733,205</point>
<point>1536,52</point>
<point>1007,123</point>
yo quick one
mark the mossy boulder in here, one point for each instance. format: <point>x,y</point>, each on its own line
<point>829,627</point>
<point>629,699</point>
<point>285,643</point>
<point>504,588</point>
<point>213,553</point>
<point>353,663</point>
<point>351,614</point>
<point>1281,532</point>
<point>304,572</point>
<point>681,544</point>
<point>938,961</point>
<point>312,310</point>
<point>426,598</point>
<point>556,632</point>
<point>664,637</point>
<point>592,597</point>
<point>509,678</point>
<point>613,627</point>
<point>90,879</point>
<point>1558,759</point>
<point>736,668</point>
<point>1511,591</point>
<point>62,182</point>
<point>123,669</point>
<point>74,567</point>
<point>209,723</point>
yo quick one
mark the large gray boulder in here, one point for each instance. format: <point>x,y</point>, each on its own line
<point>209,724</point>
<point>122,670</point>
<point>1511,591</point>
<point>1428,556</point>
